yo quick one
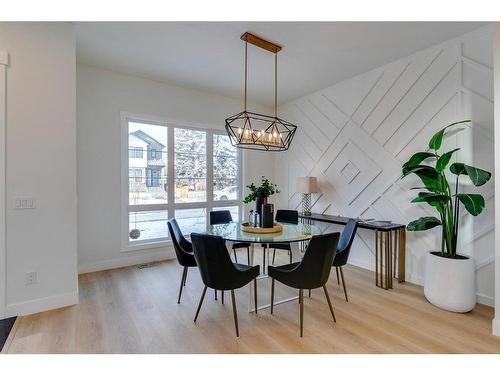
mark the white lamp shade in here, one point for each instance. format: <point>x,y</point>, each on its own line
<point>307,185</point>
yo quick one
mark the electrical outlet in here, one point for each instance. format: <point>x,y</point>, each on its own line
<point>24,203</point>
<point>30,278</point>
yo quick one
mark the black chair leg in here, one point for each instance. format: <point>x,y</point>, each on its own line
<point>186,276</point>
<point>215,293</point>
<point>274,254</point>
<point>343,284</point>
<point>222,292</point>
<point>264,260</point>
<point>235,313</point>
<point>329,303</point>
<point>255,294</point>
<point>235,256</point>
<point>301,298</point>
<point>272,295</point>
<point>183,283</point>
<point>309,293</point>
<point>201,302</point>
<point>290,256</point>
<point>248,255</point>
<point>337,271</point>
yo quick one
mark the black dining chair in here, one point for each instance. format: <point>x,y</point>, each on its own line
<point>224,217</point>
<point>283,216</point>
<point>310,273</point>
<point>183,251</point>
<point>343,250</point>
<point>219,272</point>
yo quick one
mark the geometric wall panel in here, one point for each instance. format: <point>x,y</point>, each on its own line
<point>363,169</point>
<point>354,137</point>
<point>350,171</point>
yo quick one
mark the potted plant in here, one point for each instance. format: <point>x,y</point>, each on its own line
<point>261,193</point>
<point>449,277</point>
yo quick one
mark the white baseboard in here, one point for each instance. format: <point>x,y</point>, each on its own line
<point>126,260</point>
<point>485,300</point>
<point>495,324</point>
<point>42,304</point>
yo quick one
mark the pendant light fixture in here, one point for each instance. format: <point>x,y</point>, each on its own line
<point>257,131</point>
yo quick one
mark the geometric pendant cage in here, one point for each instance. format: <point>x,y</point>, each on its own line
<point>256,131</point>
<point>259,132</point>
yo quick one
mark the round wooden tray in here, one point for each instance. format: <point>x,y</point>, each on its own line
<point>245,227</point>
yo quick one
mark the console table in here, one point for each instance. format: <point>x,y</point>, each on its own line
<point>390,247</point>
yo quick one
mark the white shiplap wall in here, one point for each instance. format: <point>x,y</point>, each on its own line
<point>355,136</point>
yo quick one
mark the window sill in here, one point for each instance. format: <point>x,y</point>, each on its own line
<point>145,246</point>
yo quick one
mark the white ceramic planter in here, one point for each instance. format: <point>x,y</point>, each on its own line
<point>450,283</point>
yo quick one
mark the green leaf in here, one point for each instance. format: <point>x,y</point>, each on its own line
<point>430,197</point>
<point>457,168</point>
<point>423,223</point>
<point>444,160</point>
<point>416,159</point>
<point>477,176</point>
<point>433,199</point>
<point>424,188</point>
<point>437,139</point>
<point>428,175</point>
<point>474,203</point>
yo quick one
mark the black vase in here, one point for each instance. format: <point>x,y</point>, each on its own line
<point>267,217</point>
<point>259,201</point>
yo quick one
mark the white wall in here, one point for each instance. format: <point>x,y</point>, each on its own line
<point>355,136</point>
<point>496,49</point>
<point>41,163</point>
<point>101,95</point>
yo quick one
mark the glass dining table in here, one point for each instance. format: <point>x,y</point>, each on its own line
<point>294,234</point>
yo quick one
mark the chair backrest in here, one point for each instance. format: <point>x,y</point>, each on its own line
<point>220,217</point>
<point>287,216</point>
<point>216,268</point>
<point>345,242</point>
<point>182,247</point>
<point>317,261</point>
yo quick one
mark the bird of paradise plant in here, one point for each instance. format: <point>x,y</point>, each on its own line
<point>437,190</point>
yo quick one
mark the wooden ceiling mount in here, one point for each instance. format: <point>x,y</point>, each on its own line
<point>261,43</point>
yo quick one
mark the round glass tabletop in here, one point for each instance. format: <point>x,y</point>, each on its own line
<point>290,233</point>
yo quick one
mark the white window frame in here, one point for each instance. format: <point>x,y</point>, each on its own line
<point>171,206</point>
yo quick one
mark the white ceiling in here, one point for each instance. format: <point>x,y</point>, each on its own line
<point>209,55</point>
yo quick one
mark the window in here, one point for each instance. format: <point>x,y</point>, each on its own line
<point>203,175</point>
<point>190,166</point>
<point>225,161</point>
<point>135,152</point>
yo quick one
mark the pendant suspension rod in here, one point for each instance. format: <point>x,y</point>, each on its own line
<point>275,85</point>
<point>246,74</point>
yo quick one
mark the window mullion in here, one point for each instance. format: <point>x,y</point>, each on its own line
<point>210,172</point>
<point>170,172</point>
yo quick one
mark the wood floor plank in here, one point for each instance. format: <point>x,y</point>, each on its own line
<point>132,310</point>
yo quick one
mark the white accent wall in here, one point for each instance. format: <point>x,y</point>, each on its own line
<point>101,96</point>
<point>355,136</point>
<point>40,163</point>
<point>496,49</point>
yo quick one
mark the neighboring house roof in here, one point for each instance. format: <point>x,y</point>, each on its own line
<point>155,163</point>
<point>149,140</point>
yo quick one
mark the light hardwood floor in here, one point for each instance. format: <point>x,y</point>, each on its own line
<point>132,310</point>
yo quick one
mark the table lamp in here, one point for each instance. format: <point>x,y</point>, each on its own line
<point>306,186</point>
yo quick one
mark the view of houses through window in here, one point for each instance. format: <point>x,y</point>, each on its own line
<point>156,193</point>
